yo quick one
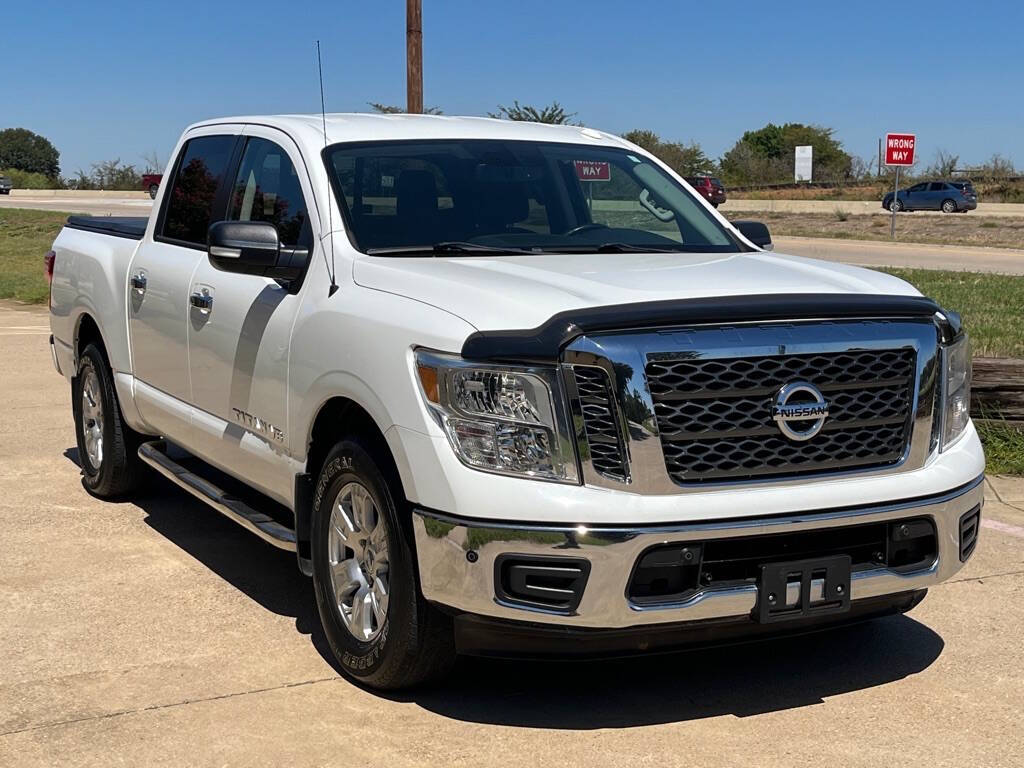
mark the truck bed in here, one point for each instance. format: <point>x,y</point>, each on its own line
<point>131,227</point>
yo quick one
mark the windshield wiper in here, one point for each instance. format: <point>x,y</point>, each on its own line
<point>449,248</point>
<point>623,248</point>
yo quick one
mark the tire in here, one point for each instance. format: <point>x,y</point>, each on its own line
<point>107,447</point>
<point>896,205</point>
<point>949,206</point>
<point>153,190</point>
<point>396,642</point>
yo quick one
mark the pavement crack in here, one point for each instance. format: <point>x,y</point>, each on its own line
<point>170,705</point>
<point>981,578</point>
<point>999,496</point>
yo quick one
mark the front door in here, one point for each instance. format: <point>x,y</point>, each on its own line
<point>159,280</point>
<point>239,327</point>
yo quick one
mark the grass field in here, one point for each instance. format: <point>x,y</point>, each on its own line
<point>949,229</point>
<point>992,306</point>
<point>25,237</point>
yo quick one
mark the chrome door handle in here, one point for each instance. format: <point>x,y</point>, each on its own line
<point>139,283</point>
<point>202,301</point>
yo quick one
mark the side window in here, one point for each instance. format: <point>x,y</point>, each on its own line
<point>937,186</point>
<point>201,170</point>
<point>918,188</point>
<point>267,189</point>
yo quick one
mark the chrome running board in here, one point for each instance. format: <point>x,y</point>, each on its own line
<point>154,453</point>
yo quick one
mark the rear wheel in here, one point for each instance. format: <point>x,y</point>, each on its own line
<point>153,190</point>
<point>107,447</point>
<point>379,627</point>
<point>948,206</point>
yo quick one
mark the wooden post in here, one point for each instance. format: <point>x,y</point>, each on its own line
<point>414,56</point>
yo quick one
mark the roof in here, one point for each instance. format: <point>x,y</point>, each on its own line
<point>355,126</point>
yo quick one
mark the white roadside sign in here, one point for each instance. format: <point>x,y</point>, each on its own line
<point>803,165</point>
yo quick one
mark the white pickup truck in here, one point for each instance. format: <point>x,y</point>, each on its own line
<point>509,388</point>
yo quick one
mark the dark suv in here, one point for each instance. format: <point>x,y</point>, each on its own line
<point>946,196</point>
<point>708,186</point>
<point>5,185</point>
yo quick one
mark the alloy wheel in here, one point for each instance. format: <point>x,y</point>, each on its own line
<point>358,560</point>
<point>92,418</point>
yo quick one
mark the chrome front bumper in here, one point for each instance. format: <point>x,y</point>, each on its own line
<point>457,560</point>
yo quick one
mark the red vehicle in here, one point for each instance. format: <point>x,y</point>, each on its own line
<point>151,182</point>
<point>710,187</point>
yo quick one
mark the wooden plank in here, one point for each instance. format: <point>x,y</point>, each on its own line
<point>997,388</point>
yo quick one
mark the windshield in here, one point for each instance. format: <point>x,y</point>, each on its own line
<point>403,196</point>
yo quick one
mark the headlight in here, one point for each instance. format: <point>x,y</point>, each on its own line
<point>506,419</point>
<point>956,389</point>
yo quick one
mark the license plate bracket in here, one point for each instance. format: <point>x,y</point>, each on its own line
<point>803,588</point>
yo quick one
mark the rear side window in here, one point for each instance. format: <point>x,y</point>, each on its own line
<point>267,189</point>
<point>204,161</point>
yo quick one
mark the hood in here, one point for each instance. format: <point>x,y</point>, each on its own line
<point>506,292</point>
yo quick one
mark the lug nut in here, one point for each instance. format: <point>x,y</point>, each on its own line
<point>772,598</point>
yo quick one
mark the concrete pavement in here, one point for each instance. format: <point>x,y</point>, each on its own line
<point>155,632</point>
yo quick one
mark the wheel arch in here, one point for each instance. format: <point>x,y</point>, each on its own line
<point>337,418</point>
<point>87,331</point>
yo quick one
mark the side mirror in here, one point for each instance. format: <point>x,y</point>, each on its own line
<point>755,232</point>
<point>253,248</point>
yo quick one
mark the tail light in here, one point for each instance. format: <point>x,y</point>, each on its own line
<point>48,260</point>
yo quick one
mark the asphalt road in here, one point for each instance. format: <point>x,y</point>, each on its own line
<point>1006,261</point>
<point>155,632</point>
<point>93,205</point>
<point>867,253</point>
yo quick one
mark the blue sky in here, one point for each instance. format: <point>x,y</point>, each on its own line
<point>118,79</point>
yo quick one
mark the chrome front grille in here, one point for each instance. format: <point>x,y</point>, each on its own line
<point>690,408</point>
<point>603,435</point>
<point>714,415</point>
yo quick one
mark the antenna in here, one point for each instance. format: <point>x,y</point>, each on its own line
<point>330,223</point>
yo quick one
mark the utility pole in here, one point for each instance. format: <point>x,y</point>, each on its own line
<point>414,56</point>
<point>879,157</point>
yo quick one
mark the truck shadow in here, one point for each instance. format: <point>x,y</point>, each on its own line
<point>738,680</point>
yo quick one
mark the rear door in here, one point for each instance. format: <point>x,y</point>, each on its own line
<point>239,337</point>
<point>937,192</point>
<point>161,273</point>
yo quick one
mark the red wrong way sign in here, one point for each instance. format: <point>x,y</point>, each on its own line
<point>593,170</point>
<point>899,148</point>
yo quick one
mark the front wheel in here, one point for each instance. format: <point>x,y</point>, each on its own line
<point>379,627</point>
<point>896,205</point>
<point>948,206</point>
<point>107,447</point>
<point>153,190</point>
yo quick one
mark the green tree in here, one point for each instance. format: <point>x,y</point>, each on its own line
<point>684,159</point>
<point>390,109</point>
<point>27,151</point>
<point>766,155</point>
<point>554,113</point>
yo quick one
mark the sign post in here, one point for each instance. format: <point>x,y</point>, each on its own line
<point>899,152</point>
